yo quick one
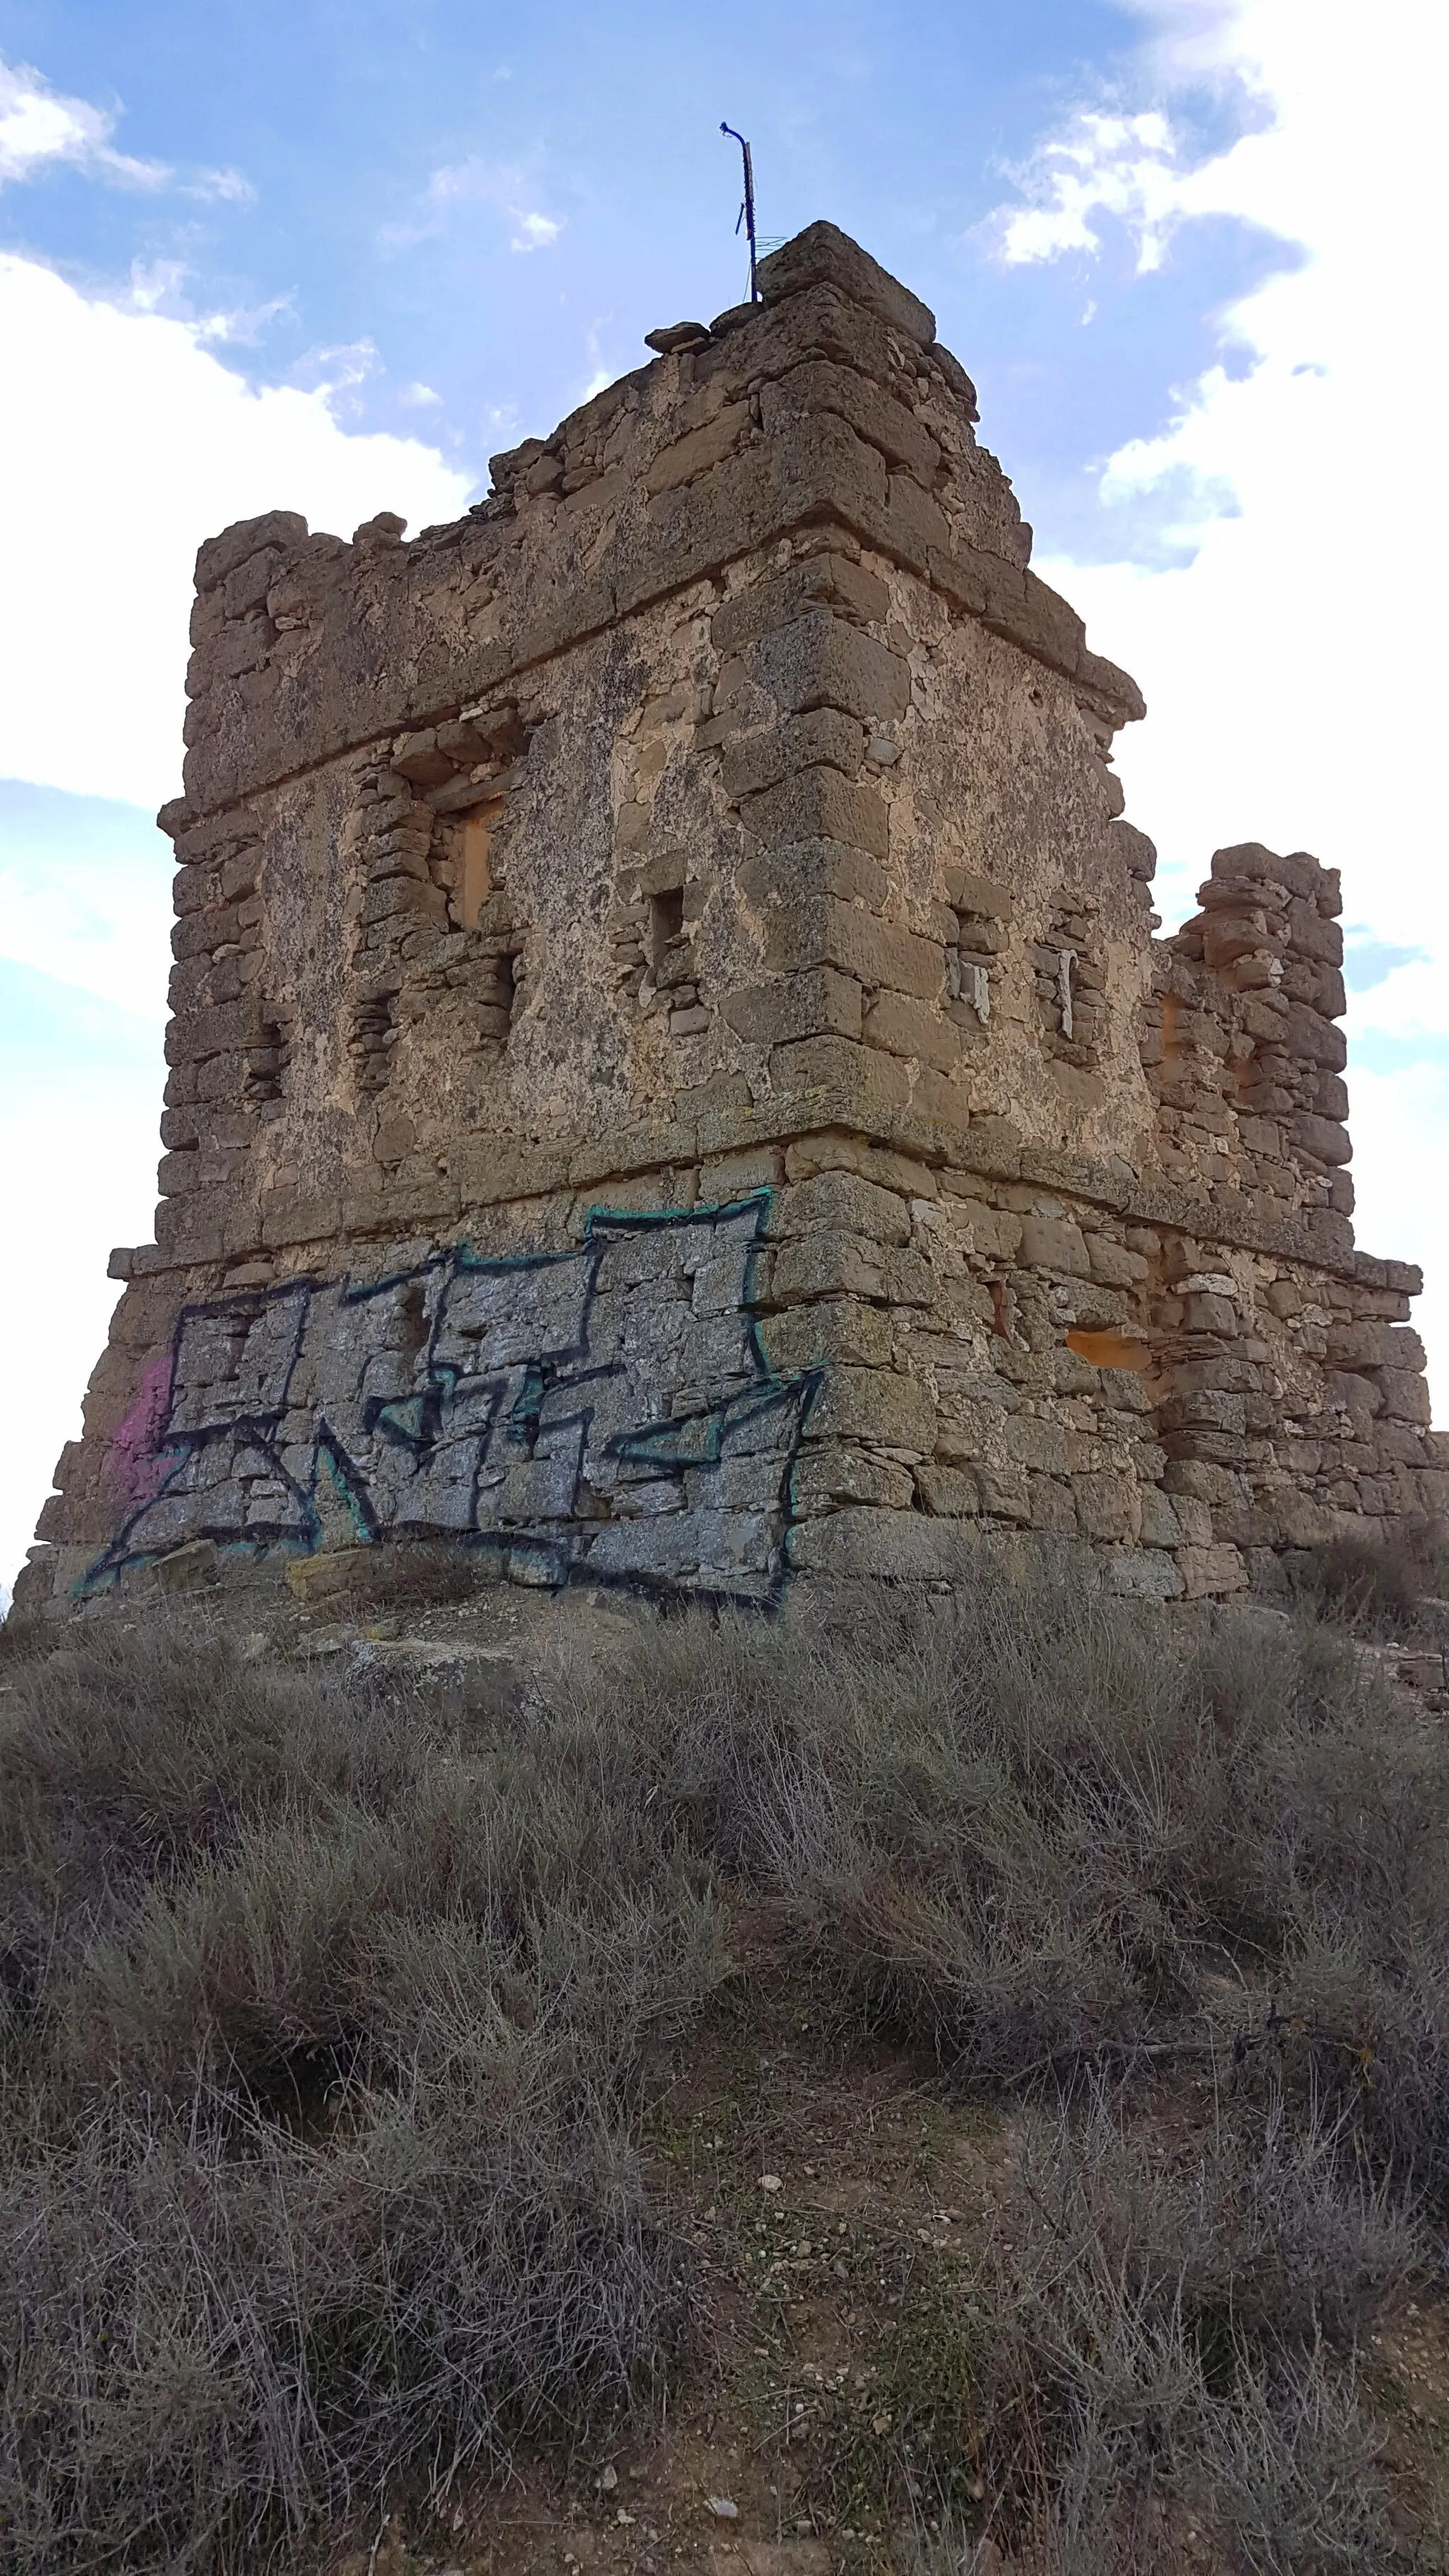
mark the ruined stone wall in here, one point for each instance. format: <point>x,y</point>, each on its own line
<point>671,1077</point>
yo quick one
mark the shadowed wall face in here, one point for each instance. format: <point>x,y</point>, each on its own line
<point>671,1075</point>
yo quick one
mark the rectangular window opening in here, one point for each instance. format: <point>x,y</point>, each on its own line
<point>666,923</point>
<point>374,1036</point>
<point>501,995</point>
<point>477,881</point>
<point>267,1062</point>
<point>1071,986</point>
<point>970,957</point>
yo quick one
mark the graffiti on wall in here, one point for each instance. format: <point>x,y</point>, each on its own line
<point>606,1412</point>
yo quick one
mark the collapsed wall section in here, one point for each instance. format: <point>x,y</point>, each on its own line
<point>671,1079</point>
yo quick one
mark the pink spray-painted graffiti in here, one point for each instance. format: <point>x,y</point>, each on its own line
<point>137,1466</point>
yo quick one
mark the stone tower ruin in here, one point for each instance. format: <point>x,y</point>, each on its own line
<point>672,1082</point>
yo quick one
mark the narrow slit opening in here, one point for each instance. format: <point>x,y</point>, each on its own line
<point>476,876</point>
<point>666,922</point>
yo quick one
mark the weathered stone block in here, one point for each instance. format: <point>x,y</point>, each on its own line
<point>283,530</point>
<point>700,449</point>
<point>820,661</point>
<point>836,1151</point>
<point>1405,1394</point>
<point>898,1547</point>
<point>1144,1574</point>
<point>1053,1243</point>
<point>1053,1512</point>
<point>822,931</point>
<point>1204,1408</point>
<point>822,255</point>
<point>1005,1490</point>
<point>782,751</point>
<point>1106,1505</point>
<point>1207,1571</point>
<point>951,1492</point>
<point>904,1026</point>
<point>829,582</point>
<point>817,1002</point>
<point>823,1332</point>
<point>1323,1138</point>
<point>188,1568</point>
<point>1035,1442</point>
<point>1161,1523</point>
<point>876,416</point>
<point>843,1475</point>
<point>853,1081</point>
<point>880,1405</point>
<point>1113,1264</point>
<point>845,1202</point>
<point>1374,1346</point>
<point>818,804</point>
<point>782,878</point>
<point>829,1264</point>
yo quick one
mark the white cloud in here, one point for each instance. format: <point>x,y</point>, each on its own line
<point>532,231</point>
<point>85,907</point>
<point>1294,668</point>
<point>162,286</point>
<point>99,926</point>
<point>1103,164</point>
<point>220,187</point>
<point>135,442</point>
<point>475,182</point>
<point>38,124</point>
<point>85,898</point>
<point>600,372</point>
<point>242,327</point>
<point>78,1179</point>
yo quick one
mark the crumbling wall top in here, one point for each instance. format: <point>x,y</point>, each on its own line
<point>829,403</point>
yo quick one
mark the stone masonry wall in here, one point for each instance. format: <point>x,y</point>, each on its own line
<point>671,1078</point>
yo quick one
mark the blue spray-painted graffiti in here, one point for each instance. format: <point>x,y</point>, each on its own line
<point>608,1411</point>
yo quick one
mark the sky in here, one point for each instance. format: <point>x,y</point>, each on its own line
<point>330,256</point>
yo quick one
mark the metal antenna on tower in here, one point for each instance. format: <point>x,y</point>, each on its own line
<point>746,214</point>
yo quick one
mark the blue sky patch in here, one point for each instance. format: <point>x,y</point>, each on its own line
<point>1368,960</point>
<point>1379,1051</point>
<point>462,223</point>
<point>52,1033</point>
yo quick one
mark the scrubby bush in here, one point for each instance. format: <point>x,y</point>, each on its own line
<point>1389,1583</point>
<point>321,2068</point>
<point>1173,2330</point>
<point>331,2016</point>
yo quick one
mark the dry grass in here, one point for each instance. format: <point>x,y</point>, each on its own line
<point>330,2018</point>
<point>1165,2348</point>
<point>1387,1586</point>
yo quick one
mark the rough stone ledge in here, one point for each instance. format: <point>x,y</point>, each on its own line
<point>972,583</point>
<point>988,1150</point>
<point>746,503</point>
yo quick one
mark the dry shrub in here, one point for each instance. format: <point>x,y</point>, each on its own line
<point>418,1574</point>
<point>321,2063</point>
<point>331,2012</point>
<point>1152,2364</point>
<point>1040,1833</point>
<point>1165,2341</point>
<point>1387,1584</point>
